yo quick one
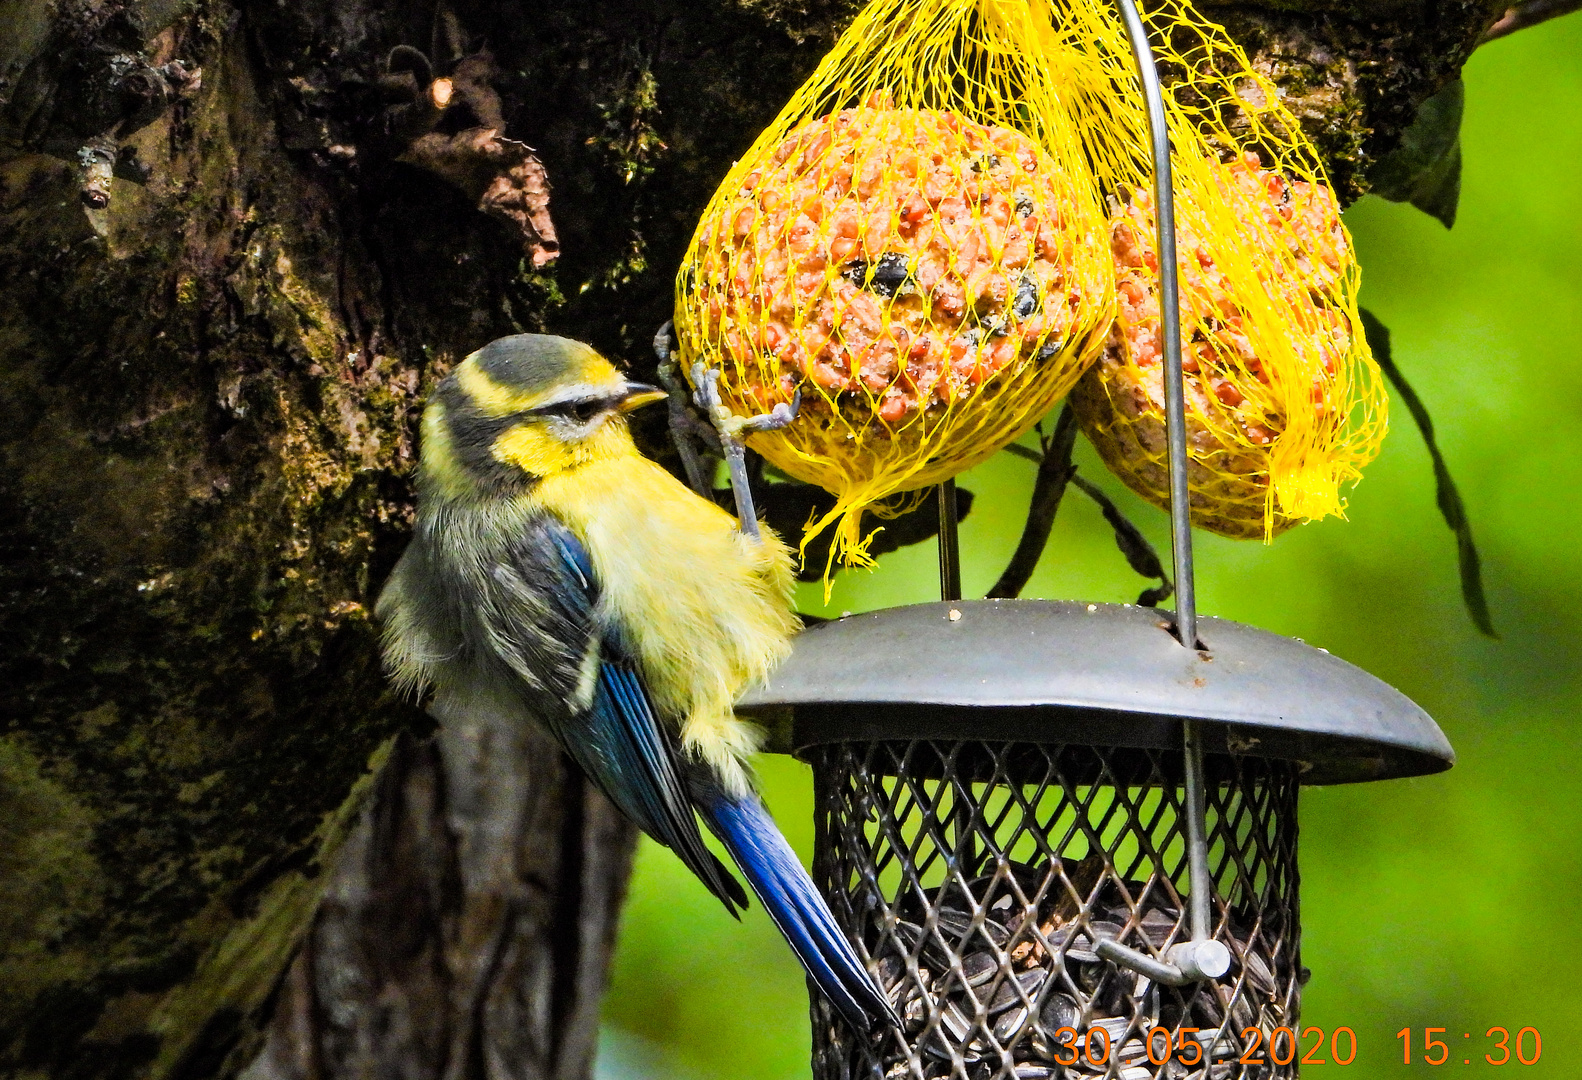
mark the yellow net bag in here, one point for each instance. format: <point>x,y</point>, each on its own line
<point>1284,400</point>
<point>915,243</point>
<point>950,222</point>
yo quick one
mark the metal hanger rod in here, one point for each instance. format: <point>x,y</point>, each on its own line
<point>1170,324</point>
<point>949,549</point>
<point>1202,957</point>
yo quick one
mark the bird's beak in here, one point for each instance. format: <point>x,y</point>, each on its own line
<point>640,394</point>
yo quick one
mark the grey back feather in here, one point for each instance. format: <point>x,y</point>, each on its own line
<point>474,600</point>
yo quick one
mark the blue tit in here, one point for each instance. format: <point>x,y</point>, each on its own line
<point>559,576</point>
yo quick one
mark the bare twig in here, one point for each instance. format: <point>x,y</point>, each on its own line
<point>1521,16</point>
<point>1446,493</point>
<point>1054,471</point>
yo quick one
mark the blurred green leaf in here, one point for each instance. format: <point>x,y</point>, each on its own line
<point>1425,170</point>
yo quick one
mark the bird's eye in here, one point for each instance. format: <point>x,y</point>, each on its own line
<point>579,411</point>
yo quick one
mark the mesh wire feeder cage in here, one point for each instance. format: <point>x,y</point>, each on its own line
<point>981,875</point>
<point>1002,800</point>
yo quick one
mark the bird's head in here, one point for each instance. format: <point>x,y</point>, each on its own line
<point>522,408</point>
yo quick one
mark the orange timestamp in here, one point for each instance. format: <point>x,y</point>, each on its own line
<point>1527,1046</point>
<point>1187,1046</point>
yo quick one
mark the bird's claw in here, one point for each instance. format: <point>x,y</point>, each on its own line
<point>684,426</point>
<point>732,428</point>
<point>664,345</point>
<point>778,417</point>
<point>706,392</point>
<point>728,424</point>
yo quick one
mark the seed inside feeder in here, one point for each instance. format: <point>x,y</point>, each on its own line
<point>1008,979</point>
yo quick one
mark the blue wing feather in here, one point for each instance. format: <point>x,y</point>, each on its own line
<point>794,903</point>
<point>622,746</point>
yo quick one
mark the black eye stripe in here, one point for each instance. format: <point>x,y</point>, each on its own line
<point>579,409</point>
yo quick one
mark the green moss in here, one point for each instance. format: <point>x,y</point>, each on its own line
<point>238,971</point>
<point>49,879</point>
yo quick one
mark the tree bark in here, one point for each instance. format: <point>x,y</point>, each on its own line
<point>239,242</point>
<point>467,927</point>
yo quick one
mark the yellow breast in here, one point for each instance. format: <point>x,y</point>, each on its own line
<point>706,611</point>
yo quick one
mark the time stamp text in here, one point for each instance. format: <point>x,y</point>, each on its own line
<point>1312,1046</point>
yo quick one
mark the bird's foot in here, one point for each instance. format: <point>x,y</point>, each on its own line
<point>732,430</point>
<point>728,424</point>
<point>686,430</point>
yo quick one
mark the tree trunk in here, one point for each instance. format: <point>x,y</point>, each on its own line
<point>467,927</point>
<point>239,242</point>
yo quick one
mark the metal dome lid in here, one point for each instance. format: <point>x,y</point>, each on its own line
<point>1053,671</point>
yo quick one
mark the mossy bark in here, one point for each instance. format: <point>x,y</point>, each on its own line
<point>209,388</point>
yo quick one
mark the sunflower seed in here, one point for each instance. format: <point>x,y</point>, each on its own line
<point>1006,995</point>
<point>1114,1026</point>
<point>1010,1024</point>
<point>908,934</point>
<point>1050,348</point>
<point>1258,972</point>
<point>1083,940</point>
<point>1132,1052</point>
<point>956,926</point>
<point>946,1040</point>
<point>1158,926</point>
<point>887,275</point>
<point>1050,977</point>
<point>1241,1014</point>
<point>1025,302</point>
<point>1059,1011</point>
<point>954,1021</point>
<point>978,968</point>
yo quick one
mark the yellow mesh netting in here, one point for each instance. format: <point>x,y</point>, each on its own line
<point>920,243</point>
<point>1284,400</point>
<point>916,243</point>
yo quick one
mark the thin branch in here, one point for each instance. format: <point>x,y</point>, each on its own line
<point>1446,493</point>
<point>1521,16</point>
<point>1054,471</point>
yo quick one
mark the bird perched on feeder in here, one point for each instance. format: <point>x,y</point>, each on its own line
<point>558,575</point>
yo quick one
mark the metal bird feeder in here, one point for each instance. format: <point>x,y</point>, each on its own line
<point>1053,831</point>
<point>1064,835</point>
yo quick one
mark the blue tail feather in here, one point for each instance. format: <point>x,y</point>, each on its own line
<point>793,902</point>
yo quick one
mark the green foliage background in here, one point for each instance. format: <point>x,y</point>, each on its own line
<point>1451,901</point>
